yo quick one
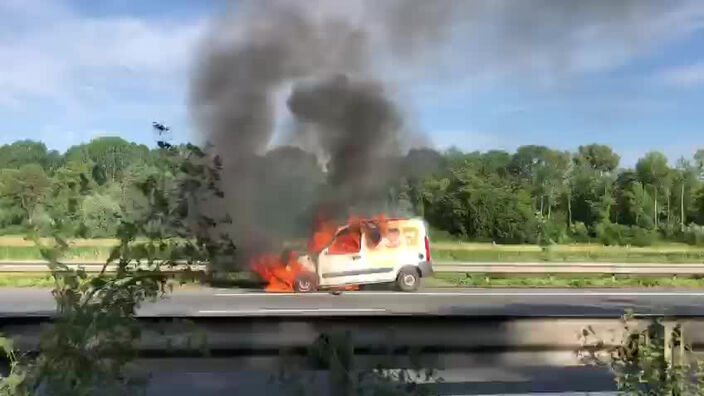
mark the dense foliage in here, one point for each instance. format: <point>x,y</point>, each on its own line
<point>535,195</point>
<point>540,195</point>
<point>650,359</point>
<point>88,348</point>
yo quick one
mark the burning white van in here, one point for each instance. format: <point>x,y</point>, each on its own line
<point>369,251</point>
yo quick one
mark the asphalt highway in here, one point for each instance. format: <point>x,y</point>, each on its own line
<point>471,302</point>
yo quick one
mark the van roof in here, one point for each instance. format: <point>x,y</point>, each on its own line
<point>386,219</point>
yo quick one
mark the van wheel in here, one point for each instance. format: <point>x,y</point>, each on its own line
<point>305,283</point>
<point>408,280</point>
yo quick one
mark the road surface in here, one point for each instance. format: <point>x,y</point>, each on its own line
<point>472,302</point>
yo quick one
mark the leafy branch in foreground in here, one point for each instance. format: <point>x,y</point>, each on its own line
<point>89,347</point>
<point>649,360</point>
<point>14,383</point>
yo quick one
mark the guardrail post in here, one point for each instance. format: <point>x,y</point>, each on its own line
<point>668,328</point>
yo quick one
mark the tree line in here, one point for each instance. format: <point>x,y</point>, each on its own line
<point>534,195</point>
<point>542,195</point>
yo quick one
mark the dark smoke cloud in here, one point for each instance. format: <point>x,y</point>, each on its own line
<point>347,121</point>
<point>356,126</point>
<point>233,93</point>
<point>342,59</point>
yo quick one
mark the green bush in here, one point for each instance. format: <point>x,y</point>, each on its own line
<point>16,229</point>
<point>579,232</point>
<point>670,231</point>
<point>41,221</point>
<point>554,229</point>
<point>608,233</point>
<point>101,215</point>
<point>694,235</point>
<point>437,235</point>
<point>611,234</point>
<point>646,222</point>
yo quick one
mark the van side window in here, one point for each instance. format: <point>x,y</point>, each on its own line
<point>392,239</point>
<point>346,242</point>
<point>411,236</point>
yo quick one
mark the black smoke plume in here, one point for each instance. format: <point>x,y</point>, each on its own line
<point>331,68</point>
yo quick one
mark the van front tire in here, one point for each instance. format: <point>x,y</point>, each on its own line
<point>305,283</point>
<point>408,279</point>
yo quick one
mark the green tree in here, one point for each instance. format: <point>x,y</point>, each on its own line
<point>599,157</point>
<point>91,340</point>
<point>543,170</point>
<point>101,215</point>
<point>633,202</point>
<point>551,176</point>
<point>68,188</point>
<point>24,152</point>
<point>699,205</point>
<point>27,186</point>
<point>11,214</point>
<point>653,170</point>
<point>109,157</point>
<point>474,206</point>
<point>699,162</point>
<point>685,182</point>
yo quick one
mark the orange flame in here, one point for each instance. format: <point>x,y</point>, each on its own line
<point>323,232</point>
<point>279,271</point>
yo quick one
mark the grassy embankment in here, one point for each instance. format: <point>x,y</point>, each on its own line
<point>19,249</point>
<point>486,252</point>
<point>451,249</point>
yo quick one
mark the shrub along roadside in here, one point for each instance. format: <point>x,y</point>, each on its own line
<point>89,346</point>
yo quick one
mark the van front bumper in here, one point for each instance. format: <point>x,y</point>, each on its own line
<point>426,268</point>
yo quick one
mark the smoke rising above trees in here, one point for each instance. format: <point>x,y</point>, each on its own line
<point>343,65</point>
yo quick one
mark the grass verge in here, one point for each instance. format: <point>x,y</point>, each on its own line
<point>620,255</point>
<point>77,253</point>
<point>452,279</point>
<point>26,280</point>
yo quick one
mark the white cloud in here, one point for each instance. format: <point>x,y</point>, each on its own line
<point>50,52</point>
<point>684,76</point>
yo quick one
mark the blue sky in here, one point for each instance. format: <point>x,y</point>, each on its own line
<point>74,70</point>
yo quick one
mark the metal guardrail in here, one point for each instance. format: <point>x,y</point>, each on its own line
<point>91,267</point>
<point>466,333</point>
<point>466,267</point>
